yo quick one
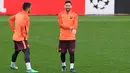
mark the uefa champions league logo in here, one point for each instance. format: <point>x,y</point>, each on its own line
<point>2,9</point>
<point>99,4</point>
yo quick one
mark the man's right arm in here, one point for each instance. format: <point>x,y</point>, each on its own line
<point>61,25</point>
<point>11,23</point>
<point>24,23</point>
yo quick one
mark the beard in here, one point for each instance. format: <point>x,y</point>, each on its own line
<point>68,9</point>
<point>29,11</point>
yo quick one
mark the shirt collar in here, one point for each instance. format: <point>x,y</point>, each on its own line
<point>25,12</point>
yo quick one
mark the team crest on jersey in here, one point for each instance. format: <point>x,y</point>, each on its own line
<point>71,17</point>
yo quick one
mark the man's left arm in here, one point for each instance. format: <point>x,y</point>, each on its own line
<point>75,24</point>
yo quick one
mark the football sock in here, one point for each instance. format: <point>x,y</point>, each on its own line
<point>26,55</point>
<point>71,60</point>
<point>27,58</point>
<point>28,66</point>
<point>71,65</point>
<point>63,63</point>
<point>12,64</point>
<point>14,57</point>
<point>71,57</point>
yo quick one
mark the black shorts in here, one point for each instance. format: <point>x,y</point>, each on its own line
<point>67,45</point>
<point>21,45</point>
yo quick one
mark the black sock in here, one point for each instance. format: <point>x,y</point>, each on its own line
<point>63,57</point>
<point>26,55</point>
<point>71,57</point>
<point>14,56</point>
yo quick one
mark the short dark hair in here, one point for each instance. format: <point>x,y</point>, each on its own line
<point>26,5</point>
<point>68,1</point>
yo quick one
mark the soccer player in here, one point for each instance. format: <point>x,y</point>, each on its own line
<point>68,22</point>
<point>20,36</point>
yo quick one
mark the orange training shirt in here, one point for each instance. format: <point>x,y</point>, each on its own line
<point>21,27</point>
<point>65,21</point>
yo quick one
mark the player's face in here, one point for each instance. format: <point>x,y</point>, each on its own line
<point>29,10</point>
<point>68,7</point>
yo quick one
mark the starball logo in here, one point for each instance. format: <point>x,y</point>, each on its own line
<point>100,4</point>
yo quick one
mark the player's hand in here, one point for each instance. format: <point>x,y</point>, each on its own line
<point>74,31</point>
<point>71,28</point>
<point>13,31</point>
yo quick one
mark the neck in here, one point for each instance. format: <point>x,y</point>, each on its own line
<point>67,12</point>
<point>26,11</point>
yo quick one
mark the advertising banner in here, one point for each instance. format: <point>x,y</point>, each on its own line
<point>99,6</point>
<point>40,7</point>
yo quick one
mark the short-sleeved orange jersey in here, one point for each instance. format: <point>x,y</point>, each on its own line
<point>21,27</point>
<point>65,21</point>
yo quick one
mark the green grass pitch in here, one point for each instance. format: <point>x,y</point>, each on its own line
<point>103,45</point>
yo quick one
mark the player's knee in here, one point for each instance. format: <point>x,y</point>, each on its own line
<point>26,51</point>
<point>16,52</point>
<point>62,50</point>
<point>71,53</point>
<point>27,60</point>
<point>71,50</point>
<point>63,54</point>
